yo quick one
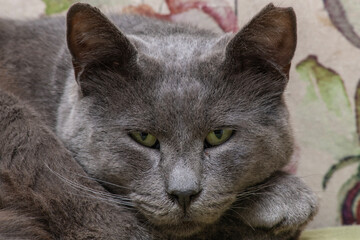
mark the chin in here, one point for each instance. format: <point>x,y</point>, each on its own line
<point>183,229</point>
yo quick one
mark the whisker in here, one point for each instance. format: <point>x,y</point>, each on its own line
<point>247,223</point>
<point>102,181</point>
<point>108,197</point>
<point>110,202</point>
<point>89,189</point>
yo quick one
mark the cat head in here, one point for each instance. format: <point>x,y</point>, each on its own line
<point>180,120</point>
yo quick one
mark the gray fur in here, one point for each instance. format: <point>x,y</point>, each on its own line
<point>43,191</point>
<point>177,83</point>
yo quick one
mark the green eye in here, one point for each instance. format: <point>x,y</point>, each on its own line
<point>218,137</point>
<point>145,139</point>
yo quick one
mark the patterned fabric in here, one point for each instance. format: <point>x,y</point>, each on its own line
<point>337,233</point>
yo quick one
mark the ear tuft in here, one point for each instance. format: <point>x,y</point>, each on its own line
<point>270,35</point>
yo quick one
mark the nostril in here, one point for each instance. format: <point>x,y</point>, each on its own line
<point>184,198</point>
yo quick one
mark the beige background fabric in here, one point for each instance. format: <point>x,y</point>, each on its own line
<point>320,94</point>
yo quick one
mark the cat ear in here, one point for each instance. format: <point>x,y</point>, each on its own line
<point>93,39</point>
<point>270,35</point>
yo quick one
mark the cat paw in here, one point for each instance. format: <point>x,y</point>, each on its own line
<point>283,217</point>
<point>285,206</point>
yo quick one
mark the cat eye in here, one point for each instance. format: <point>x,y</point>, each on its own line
<point>146,139</point>
<point>218,137</point>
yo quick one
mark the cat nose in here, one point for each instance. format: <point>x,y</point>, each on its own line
<point>184,198</point>
<point>183,185</point>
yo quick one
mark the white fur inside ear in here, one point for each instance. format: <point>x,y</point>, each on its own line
<point>69,114</point>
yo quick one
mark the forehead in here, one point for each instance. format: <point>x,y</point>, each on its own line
<point>181,86</point>
<point>185,64</point>
<point>181,102</point>
<point>179,49</point>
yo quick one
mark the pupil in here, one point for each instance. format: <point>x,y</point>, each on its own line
<point>218,133</point>
<point>143,136</point>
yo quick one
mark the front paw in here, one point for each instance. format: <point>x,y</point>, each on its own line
<point>282,205</point>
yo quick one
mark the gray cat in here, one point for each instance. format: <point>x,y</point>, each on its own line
<point>188,124</point>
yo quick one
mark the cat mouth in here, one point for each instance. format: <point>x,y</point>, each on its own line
<point>170,219</point>
<point>182,225</point>
<point>178,217</point>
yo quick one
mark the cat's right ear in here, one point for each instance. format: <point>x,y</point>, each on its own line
<point>270,35</point>
<point>92,39</point>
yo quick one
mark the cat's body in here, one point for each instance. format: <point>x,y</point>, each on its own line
<point>177,83</point>
<point>44,193</point>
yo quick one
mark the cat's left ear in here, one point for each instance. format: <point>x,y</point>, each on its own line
<point>93,39</point>
<point>270,35</point>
